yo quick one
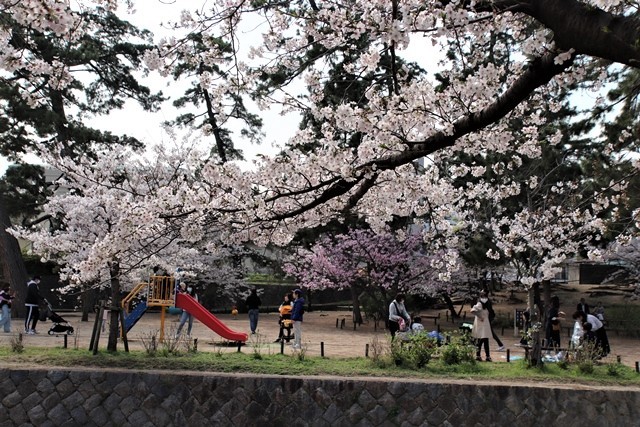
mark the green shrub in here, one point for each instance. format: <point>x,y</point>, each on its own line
<point>415,351</point>
<point>17,346</point>
<point>460,349</point>
<point>586,367</point>
<point>615,369</point>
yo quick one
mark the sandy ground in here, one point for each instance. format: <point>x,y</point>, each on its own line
<point>320,335</point>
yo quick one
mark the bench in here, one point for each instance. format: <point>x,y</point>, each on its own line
<point>434,317</point>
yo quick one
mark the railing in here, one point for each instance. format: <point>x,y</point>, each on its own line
<point>126,301</point>
<point>161,291</point>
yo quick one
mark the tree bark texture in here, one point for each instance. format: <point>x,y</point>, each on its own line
<point>12,265</point>
<point>355,300</point>
<point>114,326</point>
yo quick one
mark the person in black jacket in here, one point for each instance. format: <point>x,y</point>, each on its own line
<point>583,306</point>
<point>253,305</point>
<point>31,302</point>
<point>492,315</point>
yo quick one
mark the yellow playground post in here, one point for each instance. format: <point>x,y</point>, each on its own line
<point>158,292</point>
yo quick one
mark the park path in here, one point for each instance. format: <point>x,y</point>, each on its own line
<point>322,332</point>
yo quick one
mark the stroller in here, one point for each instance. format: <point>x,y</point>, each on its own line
<point>60,326</point>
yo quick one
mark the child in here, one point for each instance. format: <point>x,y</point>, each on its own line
<point>416,326</point>
<point>5,303</point>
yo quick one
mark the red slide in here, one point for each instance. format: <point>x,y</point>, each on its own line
<point>186,302</point>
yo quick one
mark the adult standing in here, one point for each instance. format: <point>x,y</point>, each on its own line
<point>185,315</point>
<point>253,304</point>
<point>583,306</point>
<point>296,317</point>
<point>481,329</point>
<point>398,315</point>
<point>5,303</point>
<point>553,323</point>
<point>32,302</point>
<point>492,315</point>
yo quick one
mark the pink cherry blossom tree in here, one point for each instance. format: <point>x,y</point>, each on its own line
<point>380,265</point>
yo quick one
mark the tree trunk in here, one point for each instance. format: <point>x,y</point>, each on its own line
<point>114,272</point>
<point>450,306</point>
<point>88,301</point>
<point>546,291</point>
<point>535,354</point>
<point>355,300</point>
<point>538,302</point>
<point>12,265</point>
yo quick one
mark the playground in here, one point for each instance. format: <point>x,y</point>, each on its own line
<point>325,333</point>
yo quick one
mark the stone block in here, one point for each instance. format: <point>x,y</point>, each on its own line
<point>18,416</point>
<point>332,413</point>
<point>128,405</point>
<point>355,414</point>
<point>45,386</point>
<point>138,418</point>
<point>366,401</point>
<point>37,415</point>
<point>32,400</point>
<point>74,400</point>
<point>98,415</point>
<point>59,414</point>
<point>50,401</point>
<point>65,388</point>
<point>27,387</point>
<point>436,417</point>
<point>79,416</point>
<point>109,403</point>
<point>377,415</point>
<point>11,399</point>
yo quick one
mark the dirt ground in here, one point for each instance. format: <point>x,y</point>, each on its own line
<point>323,332</point>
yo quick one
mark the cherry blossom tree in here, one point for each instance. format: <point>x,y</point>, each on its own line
<point>120,216</point>
<point>379,265</point>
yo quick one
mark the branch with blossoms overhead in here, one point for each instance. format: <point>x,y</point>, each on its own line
<point>501,62</point>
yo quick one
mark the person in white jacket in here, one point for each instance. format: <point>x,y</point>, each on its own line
<point>481,329</point>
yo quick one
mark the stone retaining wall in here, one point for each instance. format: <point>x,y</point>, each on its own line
<point>83,397</point>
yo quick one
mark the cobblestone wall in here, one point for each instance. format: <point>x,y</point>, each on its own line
<point>81,397</point>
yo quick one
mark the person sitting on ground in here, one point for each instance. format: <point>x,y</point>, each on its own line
<point>284,321</point>
<point>526,320</point>
<point>599,312</point>
<point>416,325</point>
